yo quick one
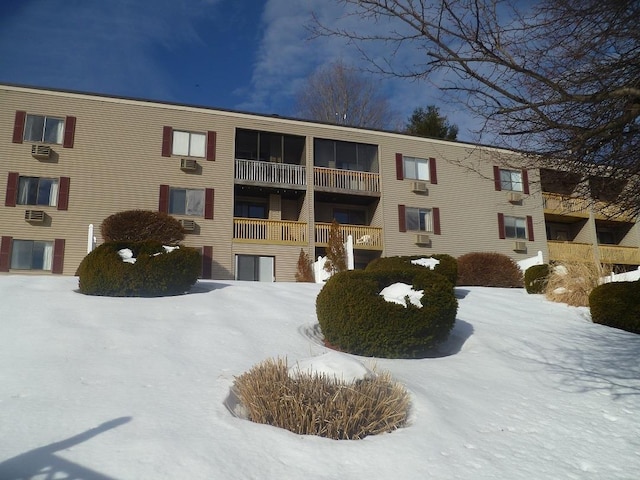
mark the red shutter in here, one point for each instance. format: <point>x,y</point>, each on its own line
<point>207,258</point>
<point>501,232</point>
<point>433,175</point>
<point>436,220</point>
<point>63,193</point>
<point>5,251</point>
<point>163,200</point>
<point>530,227</point>
<point>208,203</point>
<point>211,146</point>
<point>12,189</point>
<point>399,167</point>
<point>69,132</point>
<point>58,256</point>
<point>18,126</point>
<point>496,178</point>
<point>167,141</point>
<point>525,182</point>
<point>402,219</point>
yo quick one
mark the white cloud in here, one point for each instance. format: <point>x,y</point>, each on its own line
<point>288,55</point>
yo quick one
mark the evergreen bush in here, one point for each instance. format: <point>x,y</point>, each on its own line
<point>155,273</point>
<point>488,269</point>
<point>448,266</point>
<point>617,305</point>
<point>355,318</point>
<point>535,278</point>
<point>141,225</point>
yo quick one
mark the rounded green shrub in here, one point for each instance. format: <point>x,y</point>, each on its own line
<point>617,305</point>
<point>155,272</point>
<point>355,318</point>
<point>448,266</point>
<point>140,226</point>
<point>488,269</point>
<point>535,278</point>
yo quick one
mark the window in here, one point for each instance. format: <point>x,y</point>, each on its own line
<point>416,168</point>
<point>37,191</point>
<point>246,209</point>
<point>514,227</point>
<point>511,180</point>
<point>349,217</point>
<point>345,155</point>
<point>254,268</point>
<point>269,147</point>
<point>39,128</point>
<point>184,201</point>
<point>419,219</point>
<point>189,144</point>
<point>31,255</point>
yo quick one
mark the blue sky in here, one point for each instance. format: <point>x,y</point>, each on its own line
<point>247,55</point>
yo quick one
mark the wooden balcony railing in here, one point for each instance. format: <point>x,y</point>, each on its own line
<point>584,252</point>
<point>615,254</point>
<point>564,205</point>
<point>365,238</point>
<point>269,172</point>
<point>282,232</point>
<point>570,251</point>
<point>336,179</point>
<point>579,207</point>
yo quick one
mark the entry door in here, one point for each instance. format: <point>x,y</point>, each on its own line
<point>255,268</point>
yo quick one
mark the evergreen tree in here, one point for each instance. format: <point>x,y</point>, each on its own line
<point>304,272</point>
<point>336,253</point>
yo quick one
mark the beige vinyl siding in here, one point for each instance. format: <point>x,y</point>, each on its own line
<point>467,199</point>
<point>116,164</point>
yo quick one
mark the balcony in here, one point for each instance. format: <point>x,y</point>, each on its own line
<point>279,232</point>
<point>570,251</point>
<point>556,204</point>
<point>364,237</point>
<point>257,172</point>
<point>614,254</point>
<point>564,205</point>
<point>581,252</point>
<point>336,180</point>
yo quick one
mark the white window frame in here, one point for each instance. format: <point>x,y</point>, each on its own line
<point>515,228</point>
<point>264,268</point>
<point>422,217</point>
<point>51,131</point>
<point>43,252</point>
<point>189,144</point>
<point>511,180</point>
<point>415,168</point>
<point>193,202</point>
<point>48,197</point>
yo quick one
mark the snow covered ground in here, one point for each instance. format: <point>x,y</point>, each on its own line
<point>132,388</point>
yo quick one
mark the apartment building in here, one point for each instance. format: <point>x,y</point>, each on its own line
<point>253,190</point>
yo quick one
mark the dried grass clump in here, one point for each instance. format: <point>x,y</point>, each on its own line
<point>313,404</point>
<point>572,282</point>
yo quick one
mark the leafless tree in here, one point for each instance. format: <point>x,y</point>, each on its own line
<point>337,93</point>
<point>558,81</point>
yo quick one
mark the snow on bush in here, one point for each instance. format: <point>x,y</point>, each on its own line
<point>400,293</point>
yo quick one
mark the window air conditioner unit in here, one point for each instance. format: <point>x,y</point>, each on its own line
<point>41,151</point>
<point>519,246</point>
<point>188,225</point>
<point>188,164</point>
<point>422,239</point>
<point>36,216</point>
<point>514,197</point>
<point>420,187</point>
